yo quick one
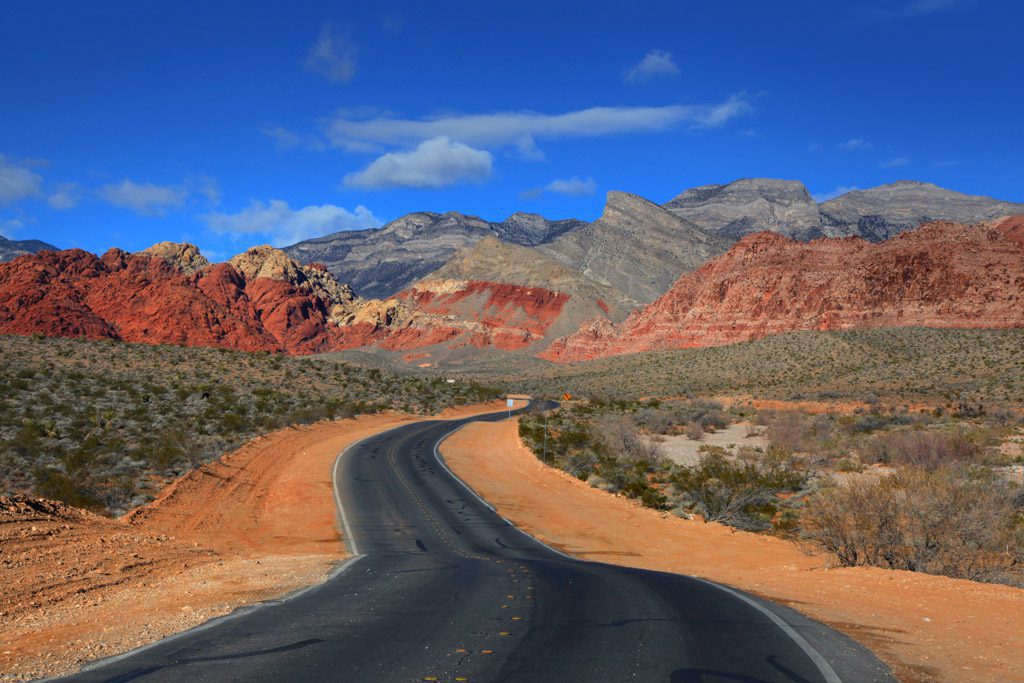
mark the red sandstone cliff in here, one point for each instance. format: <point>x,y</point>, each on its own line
<point>940,275</point>
<point>260,300</point>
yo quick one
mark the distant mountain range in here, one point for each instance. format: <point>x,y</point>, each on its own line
<point>12,249</point>
<point>638,247</point>
<point>785,206</point>
<point>383,261</point>
<point>942,274</point>
<point>443,287</point>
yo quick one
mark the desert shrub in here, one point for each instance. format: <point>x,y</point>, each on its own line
<point>797,432</point>
<point>927,449</point>
<point>694,431</point>
<point>741,494</point>
<point>938,522</point>
<point>57,485</point>
<point>618,437</point>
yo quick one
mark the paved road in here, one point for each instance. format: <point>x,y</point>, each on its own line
<point>444,589</point>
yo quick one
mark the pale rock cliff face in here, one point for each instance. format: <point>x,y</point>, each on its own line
<point>750,205</point>
<point>181,256</point>
<point>637,247</point>
<point>884,211</point>
<point>940,275</point>
<point>381,262</point>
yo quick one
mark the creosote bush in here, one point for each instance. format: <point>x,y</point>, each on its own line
<point>940,521</point>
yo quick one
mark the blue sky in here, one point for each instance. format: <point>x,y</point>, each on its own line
<point>230,124</point>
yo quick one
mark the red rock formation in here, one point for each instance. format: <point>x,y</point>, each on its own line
<point>501,315</point>
<point>259,301</point>
<point>145,298</point>
<point>940,275</point>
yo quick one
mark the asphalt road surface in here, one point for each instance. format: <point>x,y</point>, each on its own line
<point>442,588</point>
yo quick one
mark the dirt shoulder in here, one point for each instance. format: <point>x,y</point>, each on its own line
<point>256,524</point>
<point>924,627</point>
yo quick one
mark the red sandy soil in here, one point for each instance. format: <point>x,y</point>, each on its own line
<point>925,627</point>
<point>256,524</point>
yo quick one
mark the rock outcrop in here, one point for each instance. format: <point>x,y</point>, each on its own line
<point>12,249</point>
<point>381,262</point>
<point>750,205</point>
<point>887,210</point>
<point>940,275</point>
<point>260,300</point>
<point>478,313</point>
<point>636,247</point>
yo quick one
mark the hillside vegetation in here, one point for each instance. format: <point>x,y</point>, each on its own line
<point>917,491</point>
<point>104,425</point>
<point>944,367</point>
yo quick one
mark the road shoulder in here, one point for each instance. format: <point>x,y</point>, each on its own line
<point>257,524</point>
<point>924,627</point>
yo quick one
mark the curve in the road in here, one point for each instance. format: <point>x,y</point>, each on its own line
<point>441,588</point>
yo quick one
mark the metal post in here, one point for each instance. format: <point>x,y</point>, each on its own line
<point>545,438</point>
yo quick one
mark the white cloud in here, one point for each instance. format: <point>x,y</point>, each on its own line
<point>333,56</point>
<point>573,187</point>
<point>509,128</point>
<point>433,163</point>
<point>527,150</point>
<point>842,189</point>
<point>283,138</point>
<point>895,163</point>
<point>283,225</point>
<point>65,196</point>
<point>17,182</point>
<point>144,199</point>
<point>655,63</point>
<point>206,186</point>
<point>855,143</point>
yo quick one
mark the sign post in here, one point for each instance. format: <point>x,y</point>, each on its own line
<point>509,402</point>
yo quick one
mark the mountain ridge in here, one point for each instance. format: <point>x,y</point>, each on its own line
<point>769,283</point>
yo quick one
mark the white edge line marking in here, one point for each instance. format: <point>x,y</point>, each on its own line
<point>826,670</point>
<point>350,539</point>
<point>242,610</point>
<point>823,666</point>
<point>442,463</point>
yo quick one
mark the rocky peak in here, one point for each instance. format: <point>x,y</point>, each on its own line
<point>531,229</point>
<point>182,256</point>
<point>266,261</point>
<point>750,205</point>
<point>884,211</point>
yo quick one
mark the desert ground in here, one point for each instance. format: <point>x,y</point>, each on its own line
<point>925,627</point>
<point>255,525</point>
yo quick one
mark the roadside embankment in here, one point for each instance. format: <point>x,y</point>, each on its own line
<point>925,627</point>
<point>258,523</point>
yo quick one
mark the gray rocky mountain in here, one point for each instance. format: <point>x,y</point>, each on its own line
<point>636,247</point>
<point>881,212</point>
<point>12,249</point>
<point>750,205</point>
<point>785,206</point>
<point>380,262</point>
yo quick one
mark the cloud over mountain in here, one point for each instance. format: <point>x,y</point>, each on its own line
<point>434,163</point>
